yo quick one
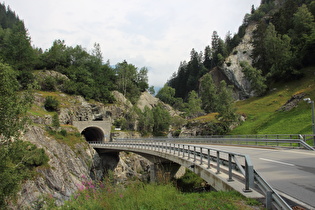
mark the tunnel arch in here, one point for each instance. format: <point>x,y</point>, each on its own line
<point>93,134</point>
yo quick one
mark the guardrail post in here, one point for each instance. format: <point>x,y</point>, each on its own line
<point>249,175</point>
<point>230,168</point>
<point>188,152</point>
<point>201,156</point>
<point>218,162</point>
<point>268,200</point>
<point>208,158</point>
<point>194,153</point>
<point>183,150</point>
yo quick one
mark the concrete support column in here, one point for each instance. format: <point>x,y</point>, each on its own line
<point>163,172</point>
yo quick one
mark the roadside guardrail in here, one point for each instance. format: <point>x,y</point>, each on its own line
<point>270,140</point>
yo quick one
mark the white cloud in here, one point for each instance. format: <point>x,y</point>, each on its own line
<point>156,34</point>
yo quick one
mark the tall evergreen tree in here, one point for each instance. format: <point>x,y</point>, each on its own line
<point>207,58</point>
<point>142,79</point>
<point>303,35</point>
<point>279,55</point>
<point>208,94</point>
<point>226,106</point>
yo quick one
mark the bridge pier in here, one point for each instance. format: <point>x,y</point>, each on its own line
<point>163,172</point>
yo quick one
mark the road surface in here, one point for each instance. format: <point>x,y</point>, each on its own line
<point>291,172</point>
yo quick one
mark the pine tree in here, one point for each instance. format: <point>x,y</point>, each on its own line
<point>208,94</point>
<point>226,107</point>
<point>279,55</point>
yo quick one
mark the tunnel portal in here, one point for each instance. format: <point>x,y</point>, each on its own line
<point>93,134</point>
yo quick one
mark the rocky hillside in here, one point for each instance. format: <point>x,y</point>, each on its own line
<point>71,160</point>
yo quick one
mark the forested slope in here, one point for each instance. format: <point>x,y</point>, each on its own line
<point>281,45</point>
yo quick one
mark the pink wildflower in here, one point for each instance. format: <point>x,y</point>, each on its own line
<point>81,187</point>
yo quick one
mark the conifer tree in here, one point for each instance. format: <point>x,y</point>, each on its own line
<point>208,94</point>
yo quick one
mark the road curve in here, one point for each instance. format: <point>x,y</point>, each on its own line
<point>289,171</point>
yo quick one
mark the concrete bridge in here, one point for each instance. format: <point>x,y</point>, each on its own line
<point>222,170</point>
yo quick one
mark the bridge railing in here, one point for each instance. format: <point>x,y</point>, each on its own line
<point>236,166</point>
<point>271,140</point>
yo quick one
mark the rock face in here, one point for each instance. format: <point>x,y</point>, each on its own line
<point>132,166</point>
<point>146,99</point>
<point>232,69</point>
<point>70,166</point>
<point>66,168</point>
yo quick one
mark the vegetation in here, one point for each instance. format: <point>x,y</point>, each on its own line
<point>139,195</point>
<point>190,182</point>
<point>51,103</point>
<point>264,114</point>
<point>74,62</point>
<point>254,76</point>
<point>284,43</point>
<point>18,159</point>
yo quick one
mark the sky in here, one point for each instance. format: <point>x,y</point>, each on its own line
<point>157,34</point>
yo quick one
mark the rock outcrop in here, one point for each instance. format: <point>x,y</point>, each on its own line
<point>131,166</point>
<point>146,99</point>
<point>232,69</point>
<point>292,102</point>
<point>63,176</point>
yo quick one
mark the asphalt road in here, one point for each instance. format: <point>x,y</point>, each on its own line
<point>289,171</point>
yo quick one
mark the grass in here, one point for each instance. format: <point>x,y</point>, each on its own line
<point>68,138</point>
<point>207,118</point>
<point>263,117</point>
<point>152,196</point>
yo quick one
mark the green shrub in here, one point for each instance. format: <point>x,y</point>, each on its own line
<point>55,121</point>
<point>51,104</point>
<point>18,161</point>
<point>49,84</point>
<point>63,132</point>
<point>189,182</point>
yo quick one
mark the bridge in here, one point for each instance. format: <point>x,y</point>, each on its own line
<point>225,169</point>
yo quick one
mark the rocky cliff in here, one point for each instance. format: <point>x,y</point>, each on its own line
<point>71,163</point>
<point>232,69</point>
<point>67,166</point>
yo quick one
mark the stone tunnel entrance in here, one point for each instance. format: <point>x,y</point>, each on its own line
<point>93,134</point>
<point>94,130</point>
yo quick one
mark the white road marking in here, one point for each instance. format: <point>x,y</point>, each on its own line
<point>274,161</point>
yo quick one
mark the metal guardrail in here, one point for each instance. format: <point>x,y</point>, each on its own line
<point>271,140</point>
<point>222,161</point>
